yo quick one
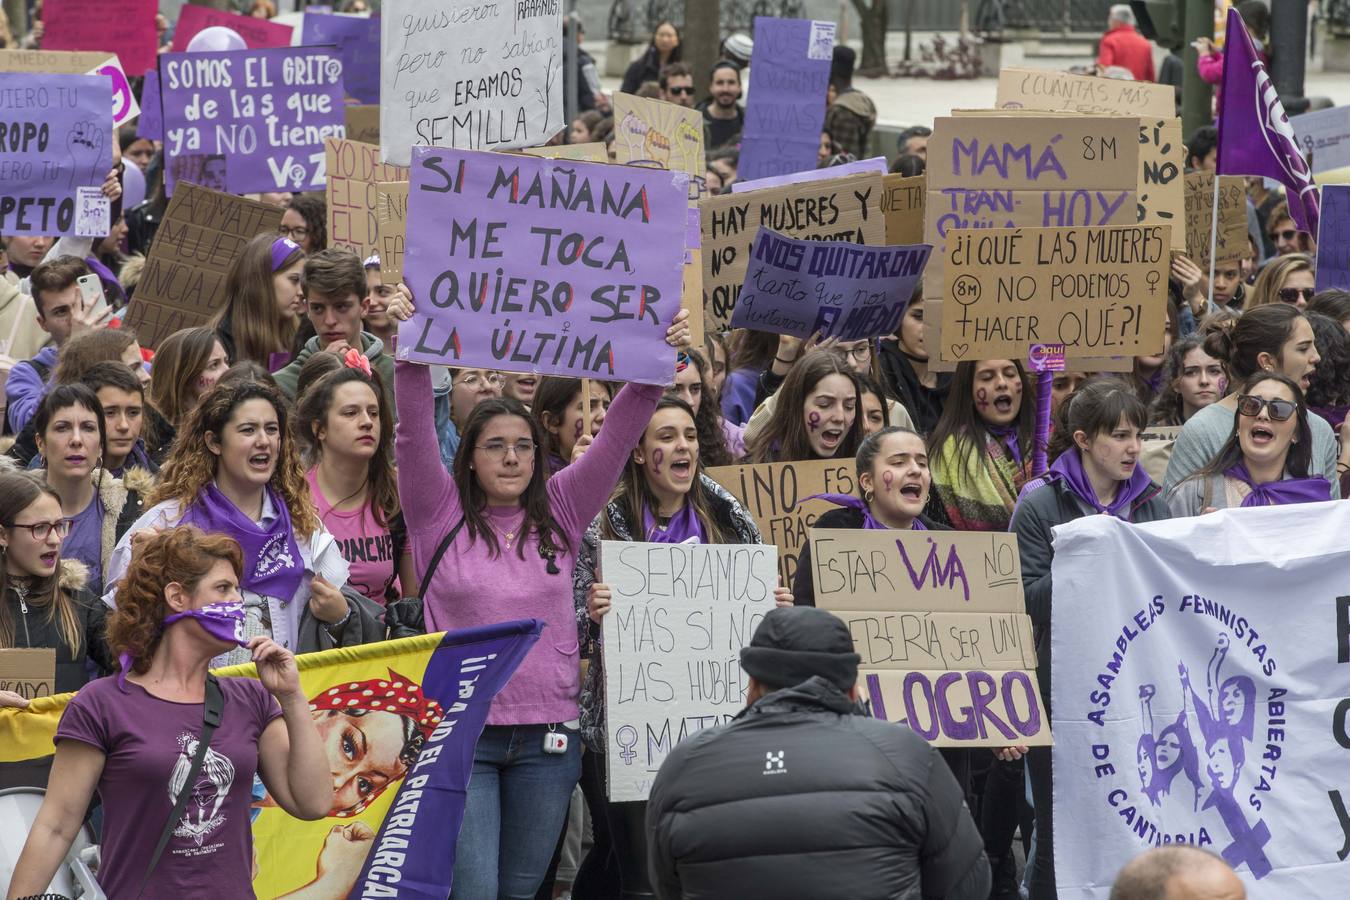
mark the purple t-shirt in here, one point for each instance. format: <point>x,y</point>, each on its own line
<point>85,541</point>
<point>149,744</point>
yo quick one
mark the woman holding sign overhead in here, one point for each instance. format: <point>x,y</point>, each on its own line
<point>498,540</point>
<point>1097,474</point>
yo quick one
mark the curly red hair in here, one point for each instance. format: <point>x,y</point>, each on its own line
<point>184,555</point>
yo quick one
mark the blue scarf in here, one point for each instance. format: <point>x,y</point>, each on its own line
<point>1279,493</point>
<point>272,563</point>
<point>1069,469</point>
<point>681,527</point>
<point>869,521</point>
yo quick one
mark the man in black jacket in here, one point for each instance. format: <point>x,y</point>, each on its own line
<point>802,797</point>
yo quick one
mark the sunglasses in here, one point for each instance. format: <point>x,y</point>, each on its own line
<point>1291,295</point>
<point>1288,234</point>
<point>1280,410</point>
<point>681,89</point>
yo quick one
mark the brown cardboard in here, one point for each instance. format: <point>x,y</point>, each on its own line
<point>837,209</point>
<point>660,135</point>
<point>1232,242</point>
<point>1098,291</point>
<point>1020,152</point>
<point>887,690</point>
<point>932,337</point>
<point>902,205</point>
<point>53,62</point>
<point>354,168</point>
<point>183,283</point>
<point>30,673</point>
<point>594,152</point>
<point>1162,185</point>
<point>391,226</point>
<point>363,124</point>
<point>1041,89</point>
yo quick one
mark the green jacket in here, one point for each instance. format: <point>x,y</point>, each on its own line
<point>371,346</point>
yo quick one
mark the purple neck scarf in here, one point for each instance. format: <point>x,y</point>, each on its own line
<point>870,521</point>
<point>1279,493</point>
<point>223,621</point>
<point>682,526</point>
<point>1069,469</point>
<point>1007,436</point>
<point>272,563</point>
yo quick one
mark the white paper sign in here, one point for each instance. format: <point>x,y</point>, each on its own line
<point>93,213</point>
<point>1201,670</point>
<point>476,76</point>
<point>672,646</point>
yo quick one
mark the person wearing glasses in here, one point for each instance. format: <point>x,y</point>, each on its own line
<point>305,221</point>
<point>677,84</point>
<point>1271,338</point>
<point>511,533</point>
<point>1284,234</point>
<point>1290,279</point>
<point>1265,461</point>
<point>263,302</point>
<point>43,598</point>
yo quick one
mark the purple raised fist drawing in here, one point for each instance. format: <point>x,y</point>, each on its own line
<point>84,143</point>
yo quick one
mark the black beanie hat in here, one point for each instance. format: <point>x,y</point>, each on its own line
<point>793,643</point>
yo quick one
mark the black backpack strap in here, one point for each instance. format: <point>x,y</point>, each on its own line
<point>211,713</point>
<point>436,559</point>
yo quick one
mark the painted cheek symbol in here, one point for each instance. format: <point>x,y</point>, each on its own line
<point>577,431</point>
<point>982,398</point>
<point>657,457</point>
<point>887,478</point>
<point>1223,386</point>
<point>813,421</point>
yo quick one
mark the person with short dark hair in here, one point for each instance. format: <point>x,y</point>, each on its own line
<point>723,115</point>
<point>677,84</point>
<point>856,807</point>
<point>305,221</point>
<point>913,141</point>
<point>852,114</point>
<point>1202,149</point>
<point>60,313</point>
<point>1177,872</point>
<point>909,165</point>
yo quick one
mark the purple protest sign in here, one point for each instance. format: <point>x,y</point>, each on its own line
<point>248,121</point>
<point>1333,238</point>
<point>358,40</point>
<point>789,75</point>
<point>834,288</point>
<point>875,164</point>
<point>58,136</point>
<point>523,264</point>
<point>151,123</point>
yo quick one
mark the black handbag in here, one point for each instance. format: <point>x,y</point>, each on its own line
<point>405,617</point>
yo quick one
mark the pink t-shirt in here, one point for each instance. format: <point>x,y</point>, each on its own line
<point>367,547</point>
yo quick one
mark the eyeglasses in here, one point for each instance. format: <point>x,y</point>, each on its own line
<point>1291,295</point>
<point>1280,410</point>
<point>1287,234</point>
<point>474,380</point>
<point>861,353</point>
<point>298,233</point>
<point>40,530</point>
<point>688,91</point>
<point>498,449</point>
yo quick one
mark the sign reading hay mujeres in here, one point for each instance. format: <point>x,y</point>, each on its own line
<point>1097,291</point>
<point>484,76</point>
<point>536,265</point>
<point>251,120</point>
<point>672,644</point>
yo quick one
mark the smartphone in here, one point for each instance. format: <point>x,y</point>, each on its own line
<point>95,301</point>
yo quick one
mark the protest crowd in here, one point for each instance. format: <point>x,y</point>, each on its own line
<point>339,344</point>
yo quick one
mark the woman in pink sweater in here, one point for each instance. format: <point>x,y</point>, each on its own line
<point>517,531</point>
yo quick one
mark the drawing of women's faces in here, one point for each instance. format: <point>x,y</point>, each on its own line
<point>633,131</point>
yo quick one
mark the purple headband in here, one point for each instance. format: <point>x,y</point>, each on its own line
<point>282,248</point>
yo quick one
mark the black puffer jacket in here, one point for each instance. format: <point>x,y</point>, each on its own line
<point>800,798</point>
<point>34,627</point>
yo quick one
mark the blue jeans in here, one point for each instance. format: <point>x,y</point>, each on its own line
<point>515,809</point>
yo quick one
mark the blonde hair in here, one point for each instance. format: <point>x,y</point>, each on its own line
<point>1274,275</point>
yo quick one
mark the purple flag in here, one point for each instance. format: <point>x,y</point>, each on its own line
<point>151,123</point>
<point>1255,137</point>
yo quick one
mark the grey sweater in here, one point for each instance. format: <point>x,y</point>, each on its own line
<point>1205,432</point>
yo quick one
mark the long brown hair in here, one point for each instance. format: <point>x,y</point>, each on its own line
<point>89,348</point>
<point>179,362</point>
<point>18,491</point>
<point>784,437</point>
<point>311,415</point>
<point>191,466</point>
<point>251,304</point>
<point>961,421</point>
<point>712,442</point>
<point>633,493</point>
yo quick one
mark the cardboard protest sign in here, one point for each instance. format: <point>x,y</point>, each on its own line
<point>1324,137</point>
<point>31,673</point>
<point>87,25</point>
<point>358,41</point>
<point>831,288</point>
<point>391,228</point>
<point>660,135</point>
<point>363,123</point>
<point>1198,699</point>
<point>536,265</point>
<point>183,283</point>
<point>775,496</point>
<point>1039,89</point>
<point>258,34</point>
<point>251,120</point>
<point>75,62</point>
<point>846,209</point>
<point>1097,291</point>
<point>590,152</point>
<point>353,170</point>
<point>876,165</point>
<point>1333,239</point>
<point>940,622</point>
<point>1162,189</point>
<point>789,73</point>
<point>902,205</point>
<point>672,642</point>
<point>1232,237</point>
<point>57,147</point>
<point>477,77</point>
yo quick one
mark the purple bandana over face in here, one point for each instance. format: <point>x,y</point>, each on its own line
<point>223,621</point>
<point>272,563</point>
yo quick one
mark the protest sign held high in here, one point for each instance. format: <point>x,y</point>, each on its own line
<point>902,202</point>
<point>391,228</point>
<point>660,135</point>
<point>75,62</point>
<point>353,171</point>
<point>257,33</point>
<point>57,150</point>
<point>875,165</point>
<point>1231,244</point>
<point>830,288</point>
<point>588,152</point>
<point>1199,697</point>
<point>86,25</point>
<point>940,622</point>
<point>480,77</point>
<point>1324,137</point>
<point>1333,239</point>
<point>358,42</point>
<point>251,120</point>
<point>789,73</point>
<point>672,642</point>
<point>535,265</point>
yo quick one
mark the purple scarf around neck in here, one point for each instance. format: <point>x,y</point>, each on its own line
<point>1069,469</point>
<point>870,521</point>
<point>1279,493</point>
<point>273,566</point>
<point>681,527</point>
<point>1007,436</point>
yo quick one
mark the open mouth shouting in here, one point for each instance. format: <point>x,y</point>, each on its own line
<point>1261,435</point>
<point>260,462</point>
<point>682,469</point>
<point>830,438</point>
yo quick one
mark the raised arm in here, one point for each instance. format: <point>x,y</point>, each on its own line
<point>426,491</point>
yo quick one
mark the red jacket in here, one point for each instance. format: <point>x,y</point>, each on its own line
<point>1123,46</point>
